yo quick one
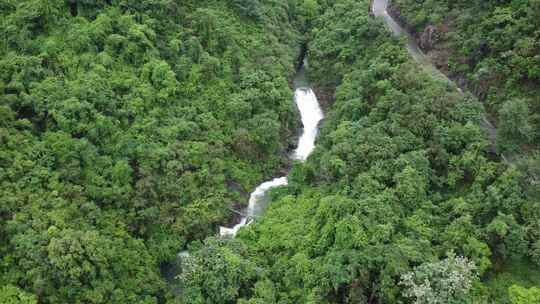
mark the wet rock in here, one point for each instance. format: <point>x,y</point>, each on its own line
<point>428,38</point>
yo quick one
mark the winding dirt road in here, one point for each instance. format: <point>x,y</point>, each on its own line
<point>379,9</point>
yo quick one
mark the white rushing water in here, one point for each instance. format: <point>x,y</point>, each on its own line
<point>311,115</point>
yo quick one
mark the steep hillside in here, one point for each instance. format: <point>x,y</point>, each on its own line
<point>130,130</point>
<point>399,191</point>
<point>130,127</point>
<point>492,48</point>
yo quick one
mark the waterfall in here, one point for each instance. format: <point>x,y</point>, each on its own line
<point>311,114</point>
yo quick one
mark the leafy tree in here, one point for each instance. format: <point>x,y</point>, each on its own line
<point>129,129</point>
<point>516,127</point>
<point>118,135</point>
<point>249,8</point>
<point>521,295</point>
<point>491,48</point>
<point>13,295</point>
<point>217,273</point>
<point>535,252</point>
<point>446,281</point>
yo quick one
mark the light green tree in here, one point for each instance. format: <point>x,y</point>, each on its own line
<point>443,282</point>
<point>522,295</point>
<point>13,295</point>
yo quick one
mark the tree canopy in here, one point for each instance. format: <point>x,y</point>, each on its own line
<point>130,130</point>
<point>401,178</point>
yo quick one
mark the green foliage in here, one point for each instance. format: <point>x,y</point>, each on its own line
<point>85,265</point>
<point>517,272</point>
<point>491,47</point>
<point>14,295</point>
<point>446,281</point>
<point>515,125</point>
<point>129,128</point>
<point>520,295</point>
<point>535,252</point>
<point>118,135</point>
<point>249,8</point>
<point>400,176</point>
<point>217,273</point>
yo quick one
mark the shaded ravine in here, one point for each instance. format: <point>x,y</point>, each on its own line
<point>379,9</point>
<point>311,114</point>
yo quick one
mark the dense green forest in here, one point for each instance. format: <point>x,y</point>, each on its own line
<point>130,129</point>
<point>400,202</point>
<point>493,49</point>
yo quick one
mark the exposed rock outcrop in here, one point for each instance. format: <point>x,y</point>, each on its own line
<point>429,38</point>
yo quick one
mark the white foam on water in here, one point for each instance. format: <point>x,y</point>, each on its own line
<point>311,114</point>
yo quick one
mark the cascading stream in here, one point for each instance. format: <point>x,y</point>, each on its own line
<point>311,114</point>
